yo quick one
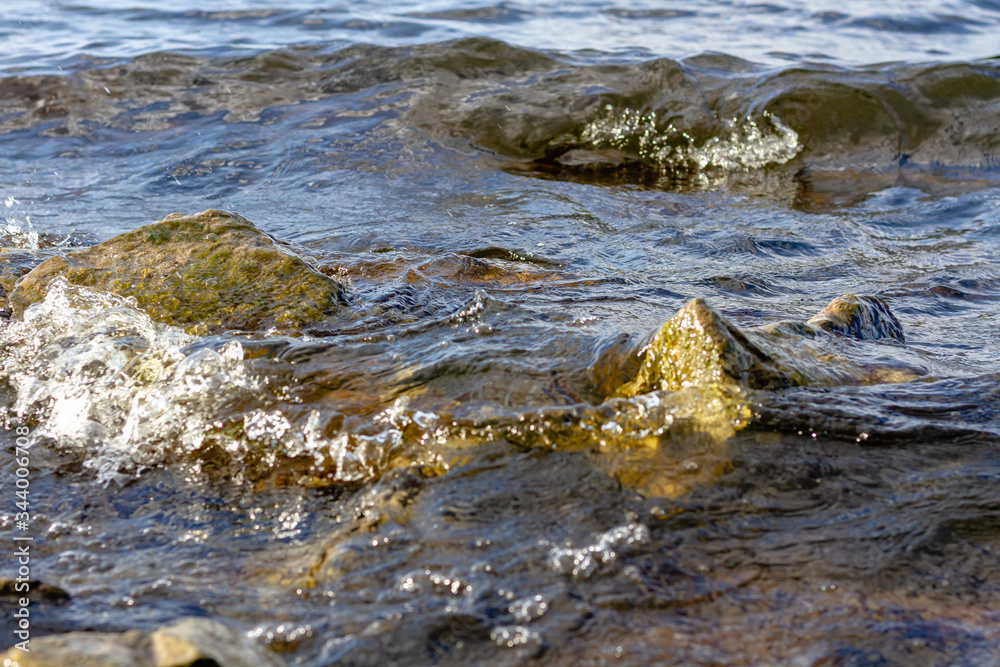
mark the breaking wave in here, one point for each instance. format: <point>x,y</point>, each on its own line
<point>104,380</point>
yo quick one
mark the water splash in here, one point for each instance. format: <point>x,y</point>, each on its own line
<point>103,379</point>
<point>14,234</point>
<point>526,610</point>
<point>512,636</point>
<point>745,145</point>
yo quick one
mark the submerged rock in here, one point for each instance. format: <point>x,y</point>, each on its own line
<point>207,272</point>
<point>189,642</point>
<point>699,347</point>
<point>47,592</point>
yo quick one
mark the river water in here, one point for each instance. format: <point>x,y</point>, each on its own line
<point>507,191</point>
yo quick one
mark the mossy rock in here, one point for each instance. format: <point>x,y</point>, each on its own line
<point>209,272</point>
<point>698,347</point>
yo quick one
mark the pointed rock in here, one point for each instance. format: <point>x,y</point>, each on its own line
<point>699,347</point>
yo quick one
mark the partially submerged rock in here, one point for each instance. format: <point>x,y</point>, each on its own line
<point>15,263</point>
<point>861,317</point>
<point>197,641</point>
<point>208,272</point>
<point>83,649</point>
<point>47,592</point>
<point>189,642</point>
<point>699,347</point>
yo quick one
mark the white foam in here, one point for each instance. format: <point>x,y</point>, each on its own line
<point>512,636</point>
<point>529,609</point>
<point>746,145</point>
<point>102,379</point>
<point>583,562</point>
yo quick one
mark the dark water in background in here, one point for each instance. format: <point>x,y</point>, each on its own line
<point>505,189</point>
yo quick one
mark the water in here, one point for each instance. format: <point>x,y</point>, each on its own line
<point>509,191</point>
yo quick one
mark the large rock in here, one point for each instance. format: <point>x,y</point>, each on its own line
<point>189,642</point>
<point>207,272</point>
<point>699,347</point>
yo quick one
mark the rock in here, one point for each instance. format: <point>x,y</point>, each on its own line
<point>8,588</point>
<point>699,347</point>
<point>198,641</point>
<point>17,262</point>
<point>207,272</point>
<point>861,317</point>
<point>83,649</point>
<point>189,642</point>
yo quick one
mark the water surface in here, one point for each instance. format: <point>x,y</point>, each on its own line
<point>508,191</point>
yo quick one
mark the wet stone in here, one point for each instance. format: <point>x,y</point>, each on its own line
<point>699,347</point>
<point>209,272</point>
<point>861,317</point>
<point>197,641</point>
<point>84,649</point>
<point>189,642</point>
<point>48,592</point>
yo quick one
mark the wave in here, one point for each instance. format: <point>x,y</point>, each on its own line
<point>558,113</point>
<point>125,393</point>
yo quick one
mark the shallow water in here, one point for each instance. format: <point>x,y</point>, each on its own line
<point>508,192</point>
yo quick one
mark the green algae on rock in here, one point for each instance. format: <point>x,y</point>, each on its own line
<point>208,272</point>
<point>699,347</point>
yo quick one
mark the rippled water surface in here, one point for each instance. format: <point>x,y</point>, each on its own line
<point>513,194</point>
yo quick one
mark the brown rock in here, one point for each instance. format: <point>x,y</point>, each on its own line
<point>83,649</point>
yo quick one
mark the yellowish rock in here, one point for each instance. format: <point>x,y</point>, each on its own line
<point>698,347</point>
<point>189,642</point>
<point>198,641</point>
